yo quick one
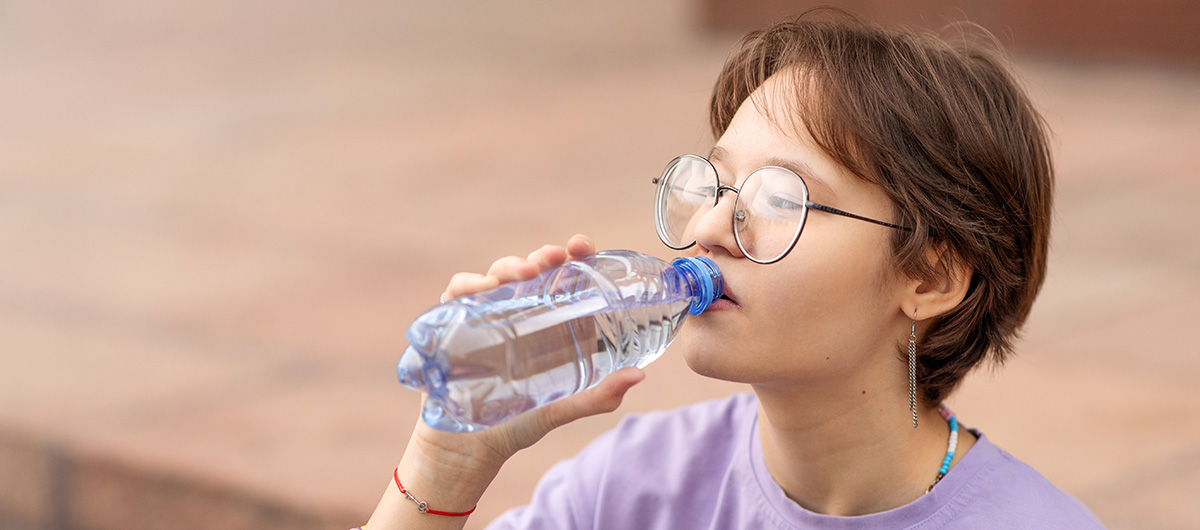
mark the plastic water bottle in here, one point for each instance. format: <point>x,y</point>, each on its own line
<point>488,357</point>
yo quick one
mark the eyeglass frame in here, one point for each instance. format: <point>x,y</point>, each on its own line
<point>661,182</point>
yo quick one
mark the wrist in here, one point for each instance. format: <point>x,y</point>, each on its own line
<point>423,506</point>
<point>447,474</point>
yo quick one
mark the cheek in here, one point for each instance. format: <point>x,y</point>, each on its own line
<point>814,314</point>
<point>834,304</point>
<point>817,283</point>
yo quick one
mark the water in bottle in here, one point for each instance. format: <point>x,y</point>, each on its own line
<point>485,358</point>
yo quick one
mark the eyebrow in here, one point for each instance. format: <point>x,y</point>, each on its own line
<point>716,153</point>
<point>796,166</point>
<point>806,172</point>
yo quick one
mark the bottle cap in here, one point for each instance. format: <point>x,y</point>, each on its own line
<point>705,279</point>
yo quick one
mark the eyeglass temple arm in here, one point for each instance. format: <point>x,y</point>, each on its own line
<point>835,211</point>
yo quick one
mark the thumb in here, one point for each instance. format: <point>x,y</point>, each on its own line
<point>604,397</point>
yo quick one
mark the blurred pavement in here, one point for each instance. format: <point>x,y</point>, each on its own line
<point>217,218</point>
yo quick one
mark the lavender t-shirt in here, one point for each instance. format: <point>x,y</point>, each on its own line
<point>701,467</point>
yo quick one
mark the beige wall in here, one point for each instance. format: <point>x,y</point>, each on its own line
<point>1161,31</point>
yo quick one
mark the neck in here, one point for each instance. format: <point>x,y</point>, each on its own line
<point>846,454</point>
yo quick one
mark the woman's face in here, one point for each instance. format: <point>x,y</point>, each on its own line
<point>832,306</point>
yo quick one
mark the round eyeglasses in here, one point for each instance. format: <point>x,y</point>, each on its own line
<point>768,212</point>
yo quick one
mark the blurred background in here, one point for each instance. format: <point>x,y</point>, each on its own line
<point>217,219</point>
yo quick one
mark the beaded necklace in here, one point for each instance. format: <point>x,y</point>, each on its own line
<point>952,446</point>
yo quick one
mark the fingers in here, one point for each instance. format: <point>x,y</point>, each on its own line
<point>548,257</point>
<point>466,283</point>
<point>580,246</point>
<point>514,269</point>
<point>503,270</point>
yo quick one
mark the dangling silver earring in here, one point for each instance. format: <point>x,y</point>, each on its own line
<point>912,371</point>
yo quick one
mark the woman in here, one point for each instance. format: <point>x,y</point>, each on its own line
<point>879,204</point>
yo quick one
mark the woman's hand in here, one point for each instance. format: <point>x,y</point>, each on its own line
<point>451,471</point>
<point>504,440</point>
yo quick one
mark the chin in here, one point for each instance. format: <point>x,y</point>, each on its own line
<point>709,369</point>
<point>716,362</point>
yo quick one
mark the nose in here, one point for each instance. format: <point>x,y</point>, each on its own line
<point>714,230</point>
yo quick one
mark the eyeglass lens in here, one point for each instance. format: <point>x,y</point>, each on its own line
<point>767,217</point>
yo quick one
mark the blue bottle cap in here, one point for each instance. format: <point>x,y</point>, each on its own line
<point>704,277</point>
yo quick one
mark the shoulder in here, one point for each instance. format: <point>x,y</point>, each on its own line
<point>1000,491</point>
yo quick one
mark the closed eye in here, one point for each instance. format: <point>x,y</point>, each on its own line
<point>782,202</point>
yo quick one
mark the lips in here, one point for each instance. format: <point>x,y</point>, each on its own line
<point>726,301</point>
<point>727,294</point>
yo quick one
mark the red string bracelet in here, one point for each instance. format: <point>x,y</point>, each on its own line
<point>422,506</point>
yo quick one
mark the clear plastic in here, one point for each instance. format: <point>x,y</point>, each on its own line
<point>485,358</point>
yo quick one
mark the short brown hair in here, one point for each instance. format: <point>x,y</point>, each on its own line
<point>944,129</point>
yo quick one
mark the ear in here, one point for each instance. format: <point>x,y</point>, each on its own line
<point>943,292</point>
